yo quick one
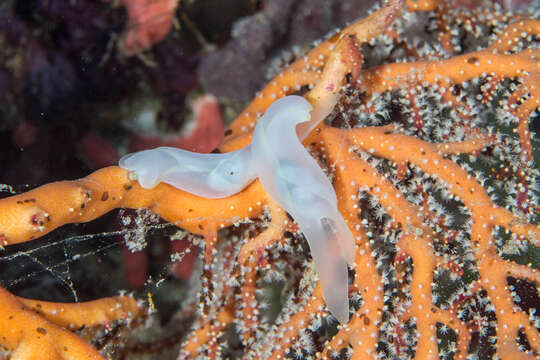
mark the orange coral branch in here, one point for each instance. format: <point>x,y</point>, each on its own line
<point>206,335</point>
<point>415,241</point>
<point>466,146</point>
<point>249,307</point>
<point>466,189</point>
<point>85,314</point>
<point>39,211</point>
<point>274,232</point>
<point>444,72</point>
<point>27,334</point>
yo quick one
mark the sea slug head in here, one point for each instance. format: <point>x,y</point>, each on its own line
<point>210,176</point>
<point>148,165</point>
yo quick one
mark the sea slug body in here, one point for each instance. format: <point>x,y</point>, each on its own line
<point>287,172</point>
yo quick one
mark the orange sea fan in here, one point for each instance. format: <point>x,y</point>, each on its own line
<point>428,142</point>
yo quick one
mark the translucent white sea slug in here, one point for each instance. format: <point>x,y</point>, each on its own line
<point>287,172</point>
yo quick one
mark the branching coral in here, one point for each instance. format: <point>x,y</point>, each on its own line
<point>431,155</point>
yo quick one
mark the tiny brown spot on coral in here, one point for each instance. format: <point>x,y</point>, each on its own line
<point>228,132</point>
<point>472,60</point>
<point>127,187</point>
<point>41,330</point>
<point>104,196</point>
<point>366,321</point>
